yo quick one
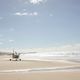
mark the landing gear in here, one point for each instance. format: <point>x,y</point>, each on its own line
<point>15,59</point>
<point>10,59</point>
<point>19,59</point>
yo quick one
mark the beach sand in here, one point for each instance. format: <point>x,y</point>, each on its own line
<point>41,76</point>
<point>5,64</point>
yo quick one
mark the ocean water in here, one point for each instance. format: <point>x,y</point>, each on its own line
<point>49,56</point>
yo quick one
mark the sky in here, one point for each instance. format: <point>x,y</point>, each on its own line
<point>39,23</point>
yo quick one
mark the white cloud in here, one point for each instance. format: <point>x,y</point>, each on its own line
<point>36,1</point>
<point>21,14</point>
<point>11,40</point>
<point>26,14</point>
<point>35,13</point>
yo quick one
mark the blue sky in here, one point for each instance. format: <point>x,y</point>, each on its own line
<point>39,23</point>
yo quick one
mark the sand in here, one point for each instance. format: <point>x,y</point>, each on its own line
<point>42,76</point>
<point>5,64</point>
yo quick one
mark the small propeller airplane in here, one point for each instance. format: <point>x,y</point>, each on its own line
<point>15,55</point>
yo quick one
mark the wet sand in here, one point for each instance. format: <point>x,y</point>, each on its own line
<point>5,64</point>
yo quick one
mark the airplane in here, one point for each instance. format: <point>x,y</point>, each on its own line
<point>15,55</point>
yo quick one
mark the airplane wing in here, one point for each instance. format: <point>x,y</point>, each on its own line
<point>5,53</point>
<point>10,53</point>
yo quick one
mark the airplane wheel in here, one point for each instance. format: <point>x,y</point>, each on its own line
<point>19,59</point>
<point>16,60</point>
<point>10,59</point>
